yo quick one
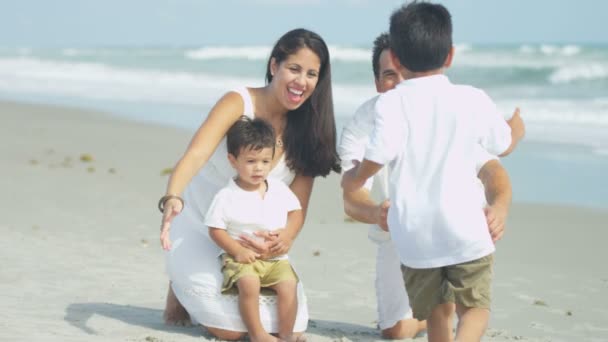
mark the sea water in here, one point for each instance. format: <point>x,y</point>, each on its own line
<point>562,91</point>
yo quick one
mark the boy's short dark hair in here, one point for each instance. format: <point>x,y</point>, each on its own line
<point>254,134</point>
<point>421,35</point>
<point>381,43</point>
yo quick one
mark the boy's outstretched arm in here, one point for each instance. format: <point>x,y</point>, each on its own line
<point>355,178</point>
<point>518,130</point>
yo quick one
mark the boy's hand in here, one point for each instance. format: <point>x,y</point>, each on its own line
<point>246,256</point>
<point>350,182</point>
<point>516,123</point>
<point>281,242</point>
<point>496,217</point>
<point>382,213</point>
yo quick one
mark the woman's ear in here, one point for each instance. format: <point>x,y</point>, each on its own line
<point>273,66</point>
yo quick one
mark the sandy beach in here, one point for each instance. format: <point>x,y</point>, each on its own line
<point>82,262</point>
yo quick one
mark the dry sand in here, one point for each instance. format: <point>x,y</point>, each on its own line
<point>81,260</point>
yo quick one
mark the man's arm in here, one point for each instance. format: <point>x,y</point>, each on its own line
<point>498,193</point>
<point>355,178</point>
<point>360,206</point>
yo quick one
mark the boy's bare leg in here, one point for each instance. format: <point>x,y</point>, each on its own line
<point>287,305</point>
<point>249,305</point>
<point>175,313</point>
<point>439,324</point>
<point>472,323</point>
<point>405,328</point>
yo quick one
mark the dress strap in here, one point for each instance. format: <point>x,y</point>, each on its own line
<point>247,101</point>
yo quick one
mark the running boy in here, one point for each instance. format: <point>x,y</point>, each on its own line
<point>248,204</point>
<point>427,129</point>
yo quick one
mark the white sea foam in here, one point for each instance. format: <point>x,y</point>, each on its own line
<point>100,81</point>
<point>578,72</point>
<point>263,52</point>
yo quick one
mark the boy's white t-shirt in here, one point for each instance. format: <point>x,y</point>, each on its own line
<point>354,140</point>
<point>243,212</point>
<point>427,130</point>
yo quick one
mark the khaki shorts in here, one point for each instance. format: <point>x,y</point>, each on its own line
<point>270,272</point>
<point>467,284</point>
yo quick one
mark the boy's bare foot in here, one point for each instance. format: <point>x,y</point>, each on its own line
<point>175,314</point>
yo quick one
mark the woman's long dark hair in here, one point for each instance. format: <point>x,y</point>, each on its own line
<point>310,134</point>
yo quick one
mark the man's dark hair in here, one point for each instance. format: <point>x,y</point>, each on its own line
<point>421,35</point>
<point>253,134</point>
<point>381,43</point>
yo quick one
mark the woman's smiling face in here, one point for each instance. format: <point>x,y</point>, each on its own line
<point>295,78</point>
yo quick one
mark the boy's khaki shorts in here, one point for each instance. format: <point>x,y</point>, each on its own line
<point>270,272</point>
<point>467,284</point>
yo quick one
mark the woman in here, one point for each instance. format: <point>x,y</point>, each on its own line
<point>297,102</point>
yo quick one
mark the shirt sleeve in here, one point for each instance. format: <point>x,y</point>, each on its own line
<point>389,132</point>
<point>215,216</point>
<point>355,136</point>
<point>493,131</point>
<point>482,157</point>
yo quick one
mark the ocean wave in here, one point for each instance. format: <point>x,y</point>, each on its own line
<point>347,54</point>
<point>100,81</point>
<point>572,73</point>
<point>551,50</point>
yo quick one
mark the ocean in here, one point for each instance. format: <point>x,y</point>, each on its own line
<point>562,91</point>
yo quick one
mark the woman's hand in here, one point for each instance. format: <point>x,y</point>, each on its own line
<point>281,242</point>
<point>172,208</point>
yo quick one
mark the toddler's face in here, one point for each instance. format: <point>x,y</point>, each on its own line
<point>252,166</point>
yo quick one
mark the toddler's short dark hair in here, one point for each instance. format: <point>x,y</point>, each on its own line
<point>421,35</point>
<point>254,134</point>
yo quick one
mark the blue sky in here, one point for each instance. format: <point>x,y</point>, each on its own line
<point>69,23</point>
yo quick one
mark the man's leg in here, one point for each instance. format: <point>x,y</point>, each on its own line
<point>394,313</point>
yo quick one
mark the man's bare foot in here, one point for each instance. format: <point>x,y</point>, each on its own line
<point>175,314</point>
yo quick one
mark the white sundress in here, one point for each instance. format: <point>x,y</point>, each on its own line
<point>193,264</point>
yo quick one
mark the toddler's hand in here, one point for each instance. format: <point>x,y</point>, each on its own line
<point>246,256</point>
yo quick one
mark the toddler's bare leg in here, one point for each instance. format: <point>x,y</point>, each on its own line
<point>439,324</point>
<point>249,305</point>
<point>472,323</point>
<point>287,308</point>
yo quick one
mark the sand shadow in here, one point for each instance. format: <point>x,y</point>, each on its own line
<point>341,330</point>
<point>78,314</point>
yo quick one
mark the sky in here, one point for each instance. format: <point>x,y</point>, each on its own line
<point>74,23</point>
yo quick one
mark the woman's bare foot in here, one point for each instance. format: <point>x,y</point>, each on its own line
<point>263,338</point>
<point>175,314</point>
<point>294,338</point>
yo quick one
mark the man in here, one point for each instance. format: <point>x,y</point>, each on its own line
<point>394,314</point>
